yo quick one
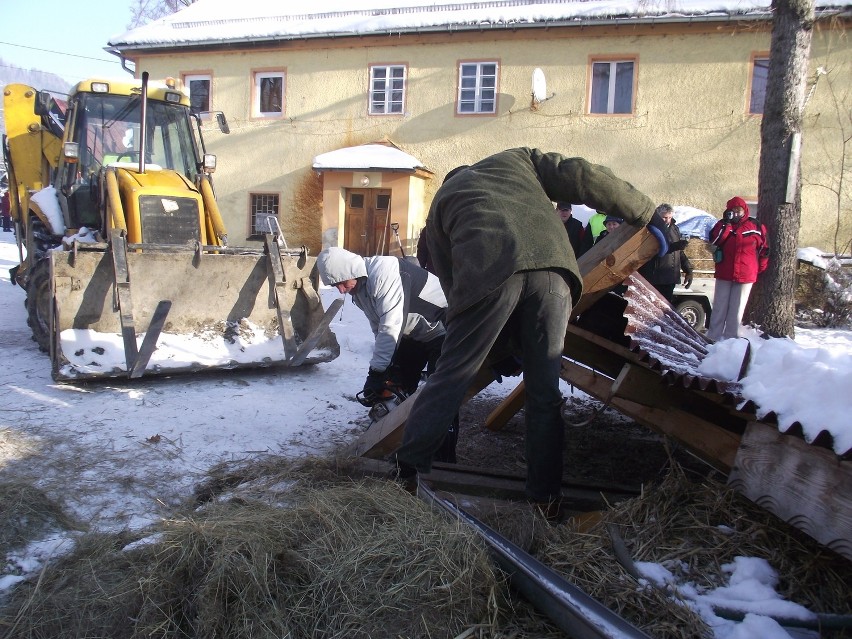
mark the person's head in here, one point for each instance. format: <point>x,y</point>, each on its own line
<point>612,222</point>
<point>564,210</point>
<point>666,212</point>
<point>341,269</point>
<point>738,206</point>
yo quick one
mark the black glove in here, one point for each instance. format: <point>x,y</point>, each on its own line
<point>687,279</point>
<point>728,215</point>
<point>678,246</point>
<point>375,383</point>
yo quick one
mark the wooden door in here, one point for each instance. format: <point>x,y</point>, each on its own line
<point>367,221</point>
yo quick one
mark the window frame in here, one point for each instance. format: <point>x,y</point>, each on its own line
<point>191,76</point>
<point>613,61</point>
<point>478,88</point>
<point>253,213</point>
<point>752,67</point>
<point>258,75</point>
<point>388,90</point>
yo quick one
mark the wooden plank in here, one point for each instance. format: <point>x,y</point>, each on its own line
<point>805,485</point>
<point>577,496</point>
<point>611,260</point>
<point>385,436</point>
<point>706,440</point>
<point>507,409</point>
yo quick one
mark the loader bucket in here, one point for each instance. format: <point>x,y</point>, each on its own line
<point>122,312</point>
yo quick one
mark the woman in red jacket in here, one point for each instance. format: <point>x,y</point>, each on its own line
<point>741,241</point>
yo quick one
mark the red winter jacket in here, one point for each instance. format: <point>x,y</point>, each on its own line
<point>745,249</point>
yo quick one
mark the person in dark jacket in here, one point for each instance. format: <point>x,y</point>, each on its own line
<point>573,226</point>
<point>744,249</point>
<point>505,262</point>
<point>663,273</point>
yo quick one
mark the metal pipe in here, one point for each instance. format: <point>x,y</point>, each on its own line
<point>114,201</point>
<point>213,210</point>
<point>575,612</point>
<point>143,123</point>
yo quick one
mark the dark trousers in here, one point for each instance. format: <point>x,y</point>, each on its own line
<point>666,290</point>
<point>537,304</point>
<point>406,371</point>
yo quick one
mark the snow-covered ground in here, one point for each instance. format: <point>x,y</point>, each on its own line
<point>120,454</point>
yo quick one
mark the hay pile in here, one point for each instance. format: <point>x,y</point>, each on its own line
<point>691,529</point>
<point>352,560</point>
<point>27,513</point>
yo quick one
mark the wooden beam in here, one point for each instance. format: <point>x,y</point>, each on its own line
<point>611,260</point>
<point>507,409</point>
<point>708,441</point>
<point>808,486</point>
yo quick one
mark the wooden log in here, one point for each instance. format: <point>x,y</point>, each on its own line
<point>611,260</point>
<point>808,486</point>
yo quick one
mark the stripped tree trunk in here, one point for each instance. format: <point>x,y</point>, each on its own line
<point>779,193</point>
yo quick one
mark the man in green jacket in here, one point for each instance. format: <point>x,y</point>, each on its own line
<point>504,261</point>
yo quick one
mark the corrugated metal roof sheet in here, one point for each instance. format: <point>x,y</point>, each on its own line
<point>668,345</point>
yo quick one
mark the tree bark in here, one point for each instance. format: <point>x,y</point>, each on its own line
<point>771,306</point>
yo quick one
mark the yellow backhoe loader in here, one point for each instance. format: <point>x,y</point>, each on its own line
<point>123,253</point>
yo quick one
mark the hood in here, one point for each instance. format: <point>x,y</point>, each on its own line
<point>338,265</point>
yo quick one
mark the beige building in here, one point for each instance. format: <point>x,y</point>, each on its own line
<point>671,102</point>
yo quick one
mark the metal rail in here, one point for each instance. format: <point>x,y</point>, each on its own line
<point>571,609</point>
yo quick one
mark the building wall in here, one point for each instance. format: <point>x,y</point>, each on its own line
<point>690,141</point>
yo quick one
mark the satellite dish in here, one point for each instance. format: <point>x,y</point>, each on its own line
<point>539,86</point>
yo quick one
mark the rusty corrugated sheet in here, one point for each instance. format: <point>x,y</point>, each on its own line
<point>668,345</point>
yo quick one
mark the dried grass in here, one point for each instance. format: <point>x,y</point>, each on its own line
<point>353,560</point>
<point>273,548</point>
<point>27,513</point>
<point>692,529</point>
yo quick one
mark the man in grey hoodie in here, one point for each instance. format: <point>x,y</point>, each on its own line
<point>405,306</point>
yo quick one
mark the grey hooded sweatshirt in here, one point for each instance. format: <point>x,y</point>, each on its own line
<point>383,283</point>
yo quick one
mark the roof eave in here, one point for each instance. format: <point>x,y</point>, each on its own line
<point>253,41</point>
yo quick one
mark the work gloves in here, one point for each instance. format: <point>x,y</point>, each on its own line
<point>658,228</point>
<point>375,383</point>
<point>687,279</point>
<point>678,246</point>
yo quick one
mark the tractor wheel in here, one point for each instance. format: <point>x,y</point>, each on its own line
<point>693,312</point>
<point>39,304</point>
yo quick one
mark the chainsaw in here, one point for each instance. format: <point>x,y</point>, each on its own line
<point>382,403</point>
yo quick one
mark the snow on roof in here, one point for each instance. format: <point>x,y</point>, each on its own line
<point>367,157</point>
<point>211,21</point>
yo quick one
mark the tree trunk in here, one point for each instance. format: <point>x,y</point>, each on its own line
<point>779,192</point>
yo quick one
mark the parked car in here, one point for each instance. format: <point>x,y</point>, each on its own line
<point>696,302</point>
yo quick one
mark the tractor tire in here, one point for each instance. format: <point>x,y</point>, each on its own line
<point>693,312</point>
<point>40,305</point>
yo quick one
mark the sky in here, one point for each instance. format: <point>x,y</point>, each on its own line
<point>71,37</point>
<point>121,454</point>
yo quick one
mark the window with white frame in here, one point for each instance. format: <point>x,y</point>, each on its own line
<point>759,77</point>
<point>263,207</point>
<point>612,86</point>
<point>387,89</point>
<point>477,87</point>
<point>268,94</point>
<point>199,92</point>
